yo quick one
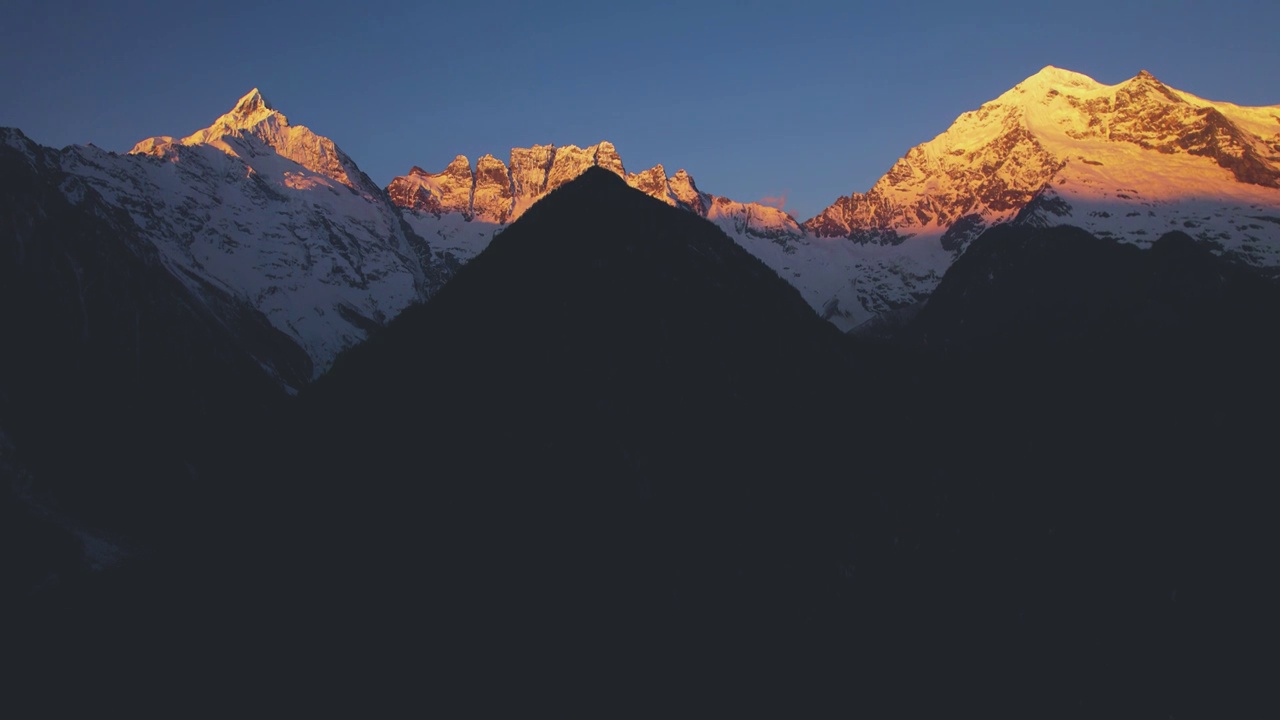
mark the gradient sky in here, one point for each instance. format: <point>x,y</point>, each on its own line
<point>802,100</point>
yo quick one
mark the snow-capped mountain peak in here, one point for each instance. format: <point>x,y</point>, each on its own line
<point>992,161</point>
<point>249,110</point>
<point>256,212</point>
<point>256,132</point>
<point>1050,77</point>
<point>1129,161</point>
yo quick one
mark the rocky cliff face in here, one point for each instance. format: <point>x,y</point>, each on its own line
<point>492,197</point>
<point>493,193</point>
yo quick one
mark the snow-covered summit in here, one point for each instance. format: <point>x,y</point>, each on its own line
<point>1055,77</point>
<point>252,124</point>
<point>249,110</point>
<point>1057,128</point>
<point>252,102</point>
<point>274,217</point>
<point>1129,161</point>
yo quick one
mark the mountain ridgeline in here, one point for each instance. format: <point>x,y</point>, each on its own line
<point>625,453</point>
<point>1130,162</point>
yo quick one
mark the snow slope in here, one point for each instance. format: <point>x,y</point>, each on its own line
<point>274,214</point>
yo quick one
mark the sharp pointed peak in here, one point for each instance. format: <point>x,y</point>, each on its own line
<point>249,110</point>
<point>252,102</point>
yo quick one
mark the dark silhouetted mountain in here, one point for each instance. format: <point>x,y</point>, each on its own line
<point>1024,289</point>
<point>616,460</point>
<point>1116,406</point>
<point>616,405</point>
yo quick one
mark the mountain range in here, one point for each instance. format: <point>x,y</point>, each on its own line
<point>1129,161</point>
<point>617,452</point>
<point>541,430</point>
<point>334,256</point>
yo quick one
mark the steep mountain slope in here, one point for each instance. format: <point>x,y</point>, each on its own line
<point>611,299</point>
<point>120,391</point>
<point>270,214</point>
<point>1130,161</point>
<point>609,394</point>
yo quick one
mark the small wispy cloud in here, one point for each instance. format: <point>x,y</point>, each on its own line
<point>778,201</point>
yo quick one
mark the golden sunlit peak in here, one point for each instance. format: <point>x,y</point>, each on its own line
<point>249,111</point>
<point>1051,76</point>
<point>252,102</point>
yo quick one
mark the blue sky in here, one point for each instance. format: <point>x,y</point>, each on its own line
<point>807,100</point>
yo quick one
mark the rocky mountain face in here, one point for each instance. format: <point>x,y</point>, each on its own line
<point>493,192</point>
<point>1130,161</point>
